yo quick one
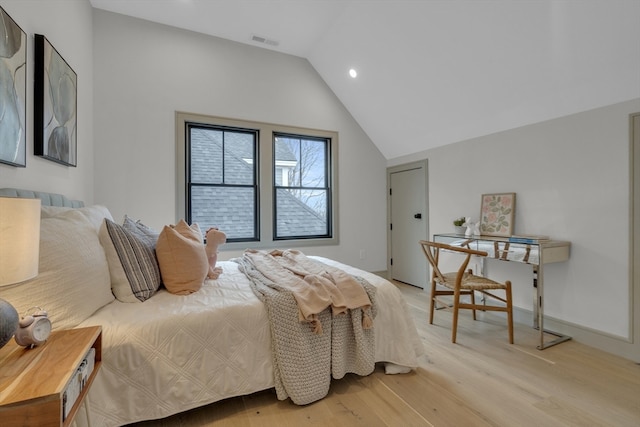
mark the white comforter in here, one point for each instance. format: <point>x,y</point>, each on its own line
<point>173,353</point>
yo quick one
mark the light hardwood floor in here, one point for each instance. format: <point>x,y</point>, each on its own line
<point>480,381</point>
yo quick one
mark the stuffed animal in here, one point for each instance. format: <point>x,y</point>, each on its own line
<point>215,238</point>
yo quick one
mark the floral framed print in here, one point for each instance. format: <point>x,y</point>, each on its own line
<point>55,107</point>
<point>497,213</point>
<point>13,92</point>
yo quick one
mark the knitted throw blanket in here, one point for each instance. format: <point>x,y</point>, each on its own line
<point>315,286</point>
<point>312,344</point>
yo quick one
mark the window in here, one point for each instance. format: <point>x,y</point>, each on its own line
<point>266,184</point>
<point>222,184</point>
<point>302,190</point>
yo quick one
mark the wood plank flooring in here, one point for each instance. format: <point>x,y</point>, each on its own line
<point>479,381</point>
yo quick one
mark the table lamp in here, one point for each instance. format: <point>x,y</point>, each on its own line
<point>19,253</point>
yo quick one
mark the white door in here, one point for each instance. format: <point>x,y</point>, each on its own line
<point>408,224</point>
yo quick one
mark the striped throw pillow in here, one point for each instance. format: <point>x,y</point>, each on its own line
<point>133,266</point>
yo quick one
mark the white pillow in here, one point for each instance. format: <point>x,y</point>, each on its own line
<point>95,214</point>
<point>73,280</point>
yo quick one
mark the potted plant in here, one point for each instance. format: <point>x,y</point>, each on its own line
<point>458,223</point>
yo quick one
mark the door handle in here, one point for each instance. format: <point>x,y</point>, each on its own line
<point>418,216</point>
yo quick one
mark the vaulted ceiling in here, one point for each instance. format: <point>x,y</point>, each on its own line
<point>434,72</point>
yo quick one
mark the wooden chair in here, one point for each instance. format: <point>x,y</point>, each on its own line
<point>463,282</point>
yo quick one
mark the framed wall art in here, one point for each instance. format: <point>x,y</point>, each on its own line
<point>497,213</point>
<point>13,92</point>
<point>55,105</point>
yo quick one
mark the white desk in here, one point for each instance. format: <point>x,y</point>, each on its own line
<point>534,254</point>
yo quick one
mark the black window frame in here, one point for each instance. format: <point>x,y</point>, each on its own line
<point>190,184</point>
<point>327,186</point>
<point>264,177</point>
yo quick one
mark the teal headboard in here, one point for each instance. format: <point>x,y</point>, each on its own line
<point>48,199</point>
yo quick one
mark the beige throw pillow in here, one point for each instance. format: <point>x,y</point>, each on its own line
<point>182,258</point>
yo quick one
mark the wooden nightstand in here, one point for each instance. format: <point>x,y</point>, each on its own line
<point>33,381</point>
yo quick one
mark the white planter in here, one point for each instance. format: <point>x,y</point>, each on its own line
<point>460,229</point>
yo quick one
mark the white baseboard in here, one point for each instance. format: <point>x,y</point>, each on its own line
<point>617,345</point>
<point>620,346</point>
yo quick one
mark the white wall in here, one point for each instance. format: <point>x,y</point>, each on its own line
<point>74,41</point>
<point>145,72</point>
<point>571,175</point>
<point>571,179</point>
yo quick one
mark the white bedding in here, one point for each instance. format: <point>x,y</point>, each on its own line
<point>173,353</point>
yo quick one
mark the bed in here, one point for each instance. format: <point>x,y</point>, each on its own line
<point>173,353</point>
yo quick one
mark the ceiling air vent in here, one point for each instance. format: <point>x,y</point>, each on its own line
<point>264,40</point>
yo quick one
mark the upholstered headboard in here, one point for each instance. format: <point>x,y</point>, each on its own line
<point>48,199</point>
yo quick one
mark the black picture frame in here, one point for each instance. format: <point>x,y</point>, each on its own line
<point>13,92</point>
<point>55,105</point>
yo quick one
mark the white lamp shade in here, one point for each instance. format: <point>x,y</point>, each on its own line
<point>19,239</point>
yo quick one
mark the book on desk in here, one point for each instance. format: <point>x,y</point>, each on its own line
<point>528,238</point>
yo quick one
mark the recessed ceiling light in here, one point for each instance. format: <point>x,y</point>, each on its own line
<point>353,73</point>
